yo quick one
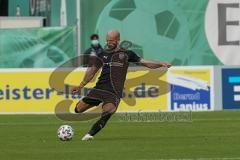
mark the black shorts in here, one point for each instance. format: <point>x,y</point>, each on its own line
<point>97,96</point>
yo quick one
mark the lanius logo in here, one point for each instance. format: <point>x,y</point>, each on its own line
<point>223,30</point>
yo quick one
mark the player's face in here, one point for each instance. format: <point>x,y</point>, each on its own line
<point>112,40</point>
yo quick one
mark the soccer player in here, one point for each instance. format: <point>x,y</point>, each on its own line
<point>114,62</point>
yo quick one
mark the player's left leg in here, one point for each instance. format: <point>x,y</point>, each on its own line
<point>81,106</point>
<point>108,110</point>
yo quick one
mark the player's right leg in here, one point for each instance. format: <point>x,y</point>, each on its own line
<point>108,110</point>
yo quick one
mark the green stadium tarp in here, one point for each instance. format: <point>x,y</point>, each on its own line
<point>37,48</point>
<point>169,30</point>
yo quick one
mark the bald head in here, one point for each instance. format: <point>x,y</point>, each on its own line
<point>114,34</point>
<point>113,38</point>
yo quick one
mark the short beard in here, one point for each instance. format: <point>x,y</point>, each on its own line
<point>111,48</point>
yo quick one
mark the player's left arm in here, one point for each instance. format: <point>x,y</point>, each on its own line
<point>154,64</point>
<point>133,57</point>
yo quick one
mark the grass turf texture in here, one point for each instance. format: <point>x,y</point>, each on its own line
<point>209,135</point>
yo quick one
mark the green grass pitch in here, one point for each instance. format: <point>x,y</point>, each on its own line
<point>210,135</point>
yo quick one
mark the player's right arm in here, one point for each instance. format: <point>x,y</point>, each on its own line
<point>94,65</point>
<point>89,75</point>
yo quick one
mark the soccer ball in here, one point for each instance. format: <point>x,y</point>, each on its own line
<point>158,29</point>
<point>65,133</point>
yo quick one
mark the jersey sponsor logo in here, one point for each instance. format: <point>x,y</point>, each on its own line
<point>121,56</point>
<point>114,64</point>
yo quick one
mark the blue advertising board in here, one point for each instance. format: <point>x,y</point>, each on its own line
<point>231,88</point>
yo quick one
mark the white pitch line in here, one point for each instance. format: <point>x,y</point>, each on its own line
<point>234,158</point>
<point>38,123</point>
<point>219,119</point>
<point>113,121</point>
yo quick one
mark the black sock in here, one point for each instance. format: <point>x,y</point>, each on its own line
<point>100,123</point>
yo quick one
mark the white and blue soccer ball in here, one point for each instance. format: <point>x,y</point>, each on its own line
<point>65,133</point>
